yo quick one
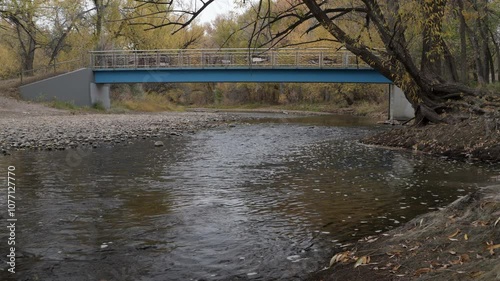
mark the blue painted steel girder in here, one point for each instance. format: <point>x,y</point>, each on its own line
<point>186,75</point>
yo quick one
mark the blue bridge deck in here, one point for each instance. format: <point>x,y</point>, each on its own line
<point>261,75</point>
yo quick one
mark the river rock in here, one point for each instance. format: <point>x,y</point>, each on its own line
<point>159,143</point>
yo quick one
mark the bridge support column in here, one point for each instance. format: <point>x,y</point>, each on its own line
<point>399,107</point>
<point>99,94</point>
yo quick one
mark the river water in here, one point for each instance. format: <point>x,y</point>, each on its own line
<point>266,200</point>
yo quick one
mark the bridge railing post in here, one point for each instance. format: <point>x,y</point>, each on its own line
<point>157,62</point>
<point>296,58</point>
<point>273,59</point>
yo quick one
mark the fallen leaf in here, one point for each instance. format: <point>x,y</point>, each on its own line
<point>421,271</point>
<point>340,257</point>
<point>464,258</point>
<point>452,252</point>
<point>362,260</point>
<point>466,237</point>
<point>491,247</point>
<point>498,220</point>
<point>413,249</point>
<point>475,274</point>
<point>454,233</point>
<point>435,264</point>
<point>479,223</point>
<point>453,239</point>
<point>445,266</point>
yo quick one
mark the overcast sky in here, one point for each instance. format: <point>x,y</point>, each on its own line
<point>216,8</point>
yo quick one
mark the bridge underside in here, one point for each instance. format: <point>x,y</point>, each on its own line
<point>259,75</point>
<point>86,87</point>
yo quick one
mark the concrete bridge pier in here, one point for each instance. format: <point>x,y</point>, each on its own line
<point>399,107</point>
<point>99,94</point>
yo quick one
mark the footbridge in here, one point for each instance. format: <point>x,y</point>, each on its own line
<point>313,65</point>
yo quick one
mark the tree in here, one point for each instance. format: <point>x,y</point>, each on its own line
<point>22,15</point>
<point>41,24</point>
<point>407,41</point>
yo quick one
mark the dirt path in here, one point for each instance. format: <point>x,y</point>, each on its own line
<point>11,108</point>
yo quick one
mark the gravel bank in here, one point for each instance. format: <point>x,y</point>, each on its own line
<point>59,132</point>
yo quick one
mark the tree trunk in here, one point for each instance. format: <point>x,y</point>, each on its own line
<point>491,63</point>
<point>27,50</point>
<point>29,57</point>
<point>99,7</point>
<point>463,46</point>
<point>482,23</point>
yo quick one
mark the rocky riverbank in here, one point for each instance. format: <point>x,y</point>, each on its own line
<point>59,132</point>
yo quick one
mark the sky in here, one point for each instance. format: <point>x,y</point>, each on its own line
<point>216,8</point>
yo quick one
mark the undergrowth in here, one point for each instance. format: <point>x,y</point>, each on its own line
<point>151,102</point>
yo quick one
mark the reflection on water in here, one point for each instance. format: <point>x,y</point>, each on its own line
<point>262,201</point>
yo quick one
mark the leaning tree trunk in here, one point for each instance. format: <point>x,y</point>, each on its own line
<point>434,98</point>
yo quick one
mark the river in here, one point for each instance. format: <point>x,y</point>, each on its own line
<point>264,200</point>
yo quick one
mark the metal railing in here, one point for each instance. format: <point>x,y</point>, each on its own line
<point>225,58</point>
<point>51,70</point>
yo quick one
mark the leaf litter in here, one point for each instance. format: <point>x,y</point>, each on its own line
<point>459,242</point>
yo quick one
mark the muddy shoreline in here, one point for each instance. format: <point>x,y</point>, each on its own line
<point>459,242</point>
<point>455,243</point>
<point>476,139</point>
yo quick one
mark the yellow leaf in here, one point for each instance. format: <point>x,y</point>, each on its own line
<point>466,237</point>
<point>362,260</point>
<point>491,247</point>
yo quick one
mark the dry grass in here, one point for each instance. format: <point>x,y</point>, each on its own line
<point>147,103</point>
